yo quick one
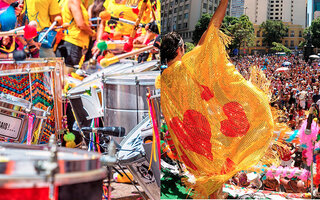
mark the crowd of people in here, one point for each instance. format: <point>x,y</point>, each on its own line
<point>294,82</point>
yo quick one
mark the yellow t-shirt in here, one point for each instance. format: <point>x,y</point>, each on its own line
<point>74,35</point>
<point>122,11</point>
<point>40,11</point>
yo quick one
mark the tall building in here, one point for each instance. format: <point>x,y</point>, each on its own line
<point>258,11</point>
<point>182,15</point>
<point>237,8</point>
<point>315,9</point>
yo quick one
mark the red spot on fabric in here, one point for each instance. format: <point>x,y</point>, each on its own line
<point>237,124</point>
<point>135,10</point>
<point>187,161</point>
<point>228,166</point>
<point>194,132</point>
<point>206,94</point>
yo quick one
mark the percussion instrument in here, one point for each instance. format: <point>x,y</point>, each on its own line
<point>126,98</point>
<point>38,81</point>
<point>155,101</point>
<point>25,172</point>
<point>14,119</point>
<point>132,155</point>
<point>86,107</point>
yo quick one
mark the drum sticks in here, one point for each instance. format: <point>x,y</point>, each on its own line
<point>117,58</point>
<point>107,16</point>
<point>57,20</point>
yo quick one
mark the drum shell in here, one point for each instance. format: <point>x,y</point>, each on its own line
<point>17,110</point>
<point>126,98</point>
<point>77,169</point>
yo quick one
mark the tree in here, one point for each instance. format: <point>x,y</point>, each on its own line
<point>189,46</point>
<point>273,31</point>
<point>240,29</point>
<point>314,30</point>
<point>278,47</point>
<point>201,27</point>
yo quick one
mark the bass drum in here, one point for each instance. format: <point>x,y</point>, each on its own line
<point>79,175</point>
<point>126,98</point>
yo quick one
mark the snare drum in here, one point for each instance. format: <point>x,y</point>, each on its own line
<point>132,155</point>
<point>126,98</point>
<point>14,119</point>
<point>38,81</point>
<point>79,175</point>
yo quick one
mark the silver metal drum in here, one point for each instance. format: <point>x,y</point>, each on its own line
<point>87,107</point>
<point>126,98</point>
<point>14,119</point>
<point>24,172</point>
<point>132,155</point>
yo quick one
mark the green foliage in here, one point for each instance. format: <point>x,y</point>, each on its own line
<point>240,29</point>
<point>189,46</point>
<point>315,32</point>
<point>201,27</point>
<point>273,31</point>
<point>277,47</point>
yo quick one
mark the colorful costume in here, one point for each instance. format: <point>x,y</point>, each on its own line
<point>219,122</point>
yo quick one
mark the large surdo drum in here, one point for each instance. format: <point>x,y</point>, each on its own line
<point>79,175</point>
<point>126,98</point>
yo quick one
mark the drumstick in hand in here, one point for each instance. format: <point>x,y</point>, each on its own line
<point>108,61</point>
<point>57,20</point>
<point>104,15</point>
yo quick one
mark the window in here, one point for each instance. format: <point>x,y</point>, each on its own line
<point>204,5</point>
<point>186,15</point>
<point>179,17</point>
<point>291,43</point>
<point>186,6</point>
<point>286,43</point>
<point>258,33</point>
<point>300,33</point>
<point>292,34</point>
<point>185,25</point>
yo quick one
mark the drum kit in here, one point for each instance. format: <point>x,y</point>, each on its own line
<point>31,111</point>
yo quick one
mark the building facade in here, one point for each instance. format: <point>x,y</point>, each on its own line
<point>292,40</point>
<point>182,15</point>
<point>315,9</point>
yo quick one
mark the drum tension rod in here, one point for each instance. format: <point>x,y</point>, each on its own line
<point>132,182</point>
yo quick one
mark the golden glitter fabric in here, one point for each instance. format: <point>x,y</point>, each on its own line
<point>219,122</point>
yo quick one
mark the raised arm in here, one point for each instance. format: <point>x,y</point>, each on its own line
<point>217,18</point>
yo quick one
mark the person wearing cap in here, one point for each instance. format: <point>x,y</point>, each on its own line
<point>44,12</point>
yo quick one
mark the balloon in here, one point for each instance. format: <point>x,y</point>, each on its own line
<point>8,19</point>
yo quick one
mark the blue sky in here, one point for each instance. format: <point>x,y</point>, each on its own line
<point>309,8</point>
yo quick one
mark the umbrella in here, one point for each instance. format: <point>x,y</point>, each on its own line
<point>314,57</point>
<point>286,63</point>
<point>282,69</point>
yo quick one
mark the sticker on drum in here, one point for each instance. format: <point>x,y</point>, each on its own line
<point>10,126</point>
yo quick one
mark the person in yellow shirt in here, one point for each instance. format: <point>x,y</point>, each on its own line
<point>76,37</point>
<point>118,8</point>
<point>44,13</point>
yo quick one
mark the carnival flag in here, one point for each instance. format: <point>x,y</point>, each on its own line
<point>219,122</point>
